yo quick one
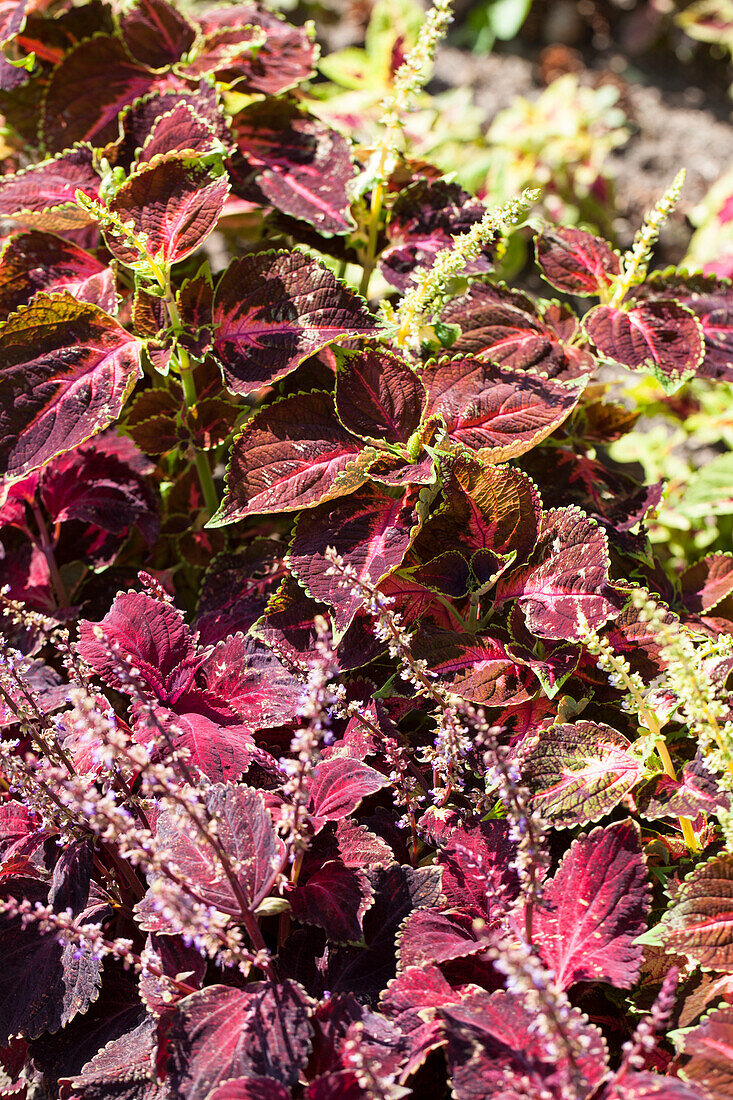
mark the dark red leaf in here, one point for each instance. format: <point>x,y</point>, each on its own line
<point>378,395</point>
<point>253,682</point>
<point>500,412</point>
<point>40,261</point>
<point>649,1086</point>
<point>334,898</point>
<point>707,582</point>
<point>175,202</point>
<point>338,785</point>
<point>155,33</point>
<point>494,1049</point>
<point>579,772</point>
<point>250,1088</point>
<point>166,121</point>
<point>594,908</point>
<point>699,923</point>
<point>660,336</point>
<point>221,1033</point>
<point>575,261</point>
<point>566,578</point>
<point>711,300</point>
<point>436,936</point>
<point>66,369</point>
<point>179,130</point>
<point>480,670</point>
<point>370,530</point>
<point>272,310</point>
<point>417,987</point>
<point>293,454</point>
<point>235,589</point>
<point>88,89</point>
<point>247,836</point>
<point>296,162</point>
<point>502,508</point>
<point>172,957</point>
<point>710,1045</point>
<point>476,871</point>
<point>44,194</point>
<point>343,1085</point>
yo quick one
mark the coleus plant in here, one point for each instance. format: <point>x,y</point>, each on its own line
<point>354,730</point>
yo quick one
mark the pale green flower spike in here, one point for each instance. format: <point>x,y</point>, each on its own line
<point>635,262</point>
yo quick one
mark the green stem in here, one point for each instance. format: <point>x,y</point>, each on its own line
<point>206,479</point>
<point>59,588</point>
<point>375,213</point>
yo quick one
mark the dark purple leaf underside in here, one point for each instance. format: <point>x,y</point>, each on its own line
<point>594,908</point>
<point>492,409</point>
<point>575,261</point>
<point>275,309</point>
<point>369,530</point>
<point>294,454</point>
<point>174,202</point>
<point>66,369</point>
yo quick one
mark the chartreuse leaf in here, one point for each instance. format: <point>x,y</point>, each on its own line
<point>66,369</point>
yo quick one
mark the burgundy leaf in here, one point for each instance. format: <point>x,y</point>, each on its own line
<point>494,1050</point>
<point>296,162</point>
<point>506,327</point>
<point>699,923</point>
<point>222,1033</point>
<point>253,682</point>
<point>476,867</point>
<point>660,336</point>
<point>41,261</point>
<point>293,454</point>
<point>338,785</point>
<point>370,530</point>
<point>358,847</point>
<point>48,690</point>
<point>272,310</point>
<point>235,589</point>
<point>155,33</point>
<point>173,958</point>
<point>566,579</point>
<point>707,582</point>
<point>575,261</point>
<point>88,89</point>
<point>246,834</point>
<point>502,509</point>
<point>174,202</point>
<point>594,908</point>
<point>500,412</point>
<point>649,1086</point>
<point>378,395</point>
<point>417,987</point>
<point>66,369</point>
<point>218,744</point>
<point>343,1085</point>
<point>435,936</point>
<point>711,300</point>
<point>579,772</point>
<point>480,670</point>
<point>710,1046</point>
<point>44,194</point>
<point>122,1070</point>
<point>425,218</point>
<point>334,898</point>
<point>179,130</point>
<point>286,57</point>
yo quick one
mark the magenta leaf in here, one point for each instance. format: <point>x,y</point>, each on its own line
<point>649,1086</point>
<point>219,745</point>
<point>476,867</point>
<point>251,1088</point>
<point>506,327</point>
<point>378,395</point>
<point>711,300</point>
<point>565,585</point>
<point>293,454</point>
<point>37,261</point>
<point>660,336</point>
<point>425,218</point>
<point>179,130</point>
<point>66,369</point>
<point>296,162</point>
<point>253,682</point>
<point>579,772</point>
<point>151,635</point>
<point>338,785</point>
<point>44,194</point>
<point>494,1050</point>
<point>174,202</point>
<point>500,412</point>
<point>334,898</point>
<point>221,1033</point>
<point>370,530</point>
<point>437,936</point>
<point>247,837</point>
<point>594,908</point>
<point>88,89</point>
<point>575,261</point>
<point>272,310</point>
<point>155,33</point>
